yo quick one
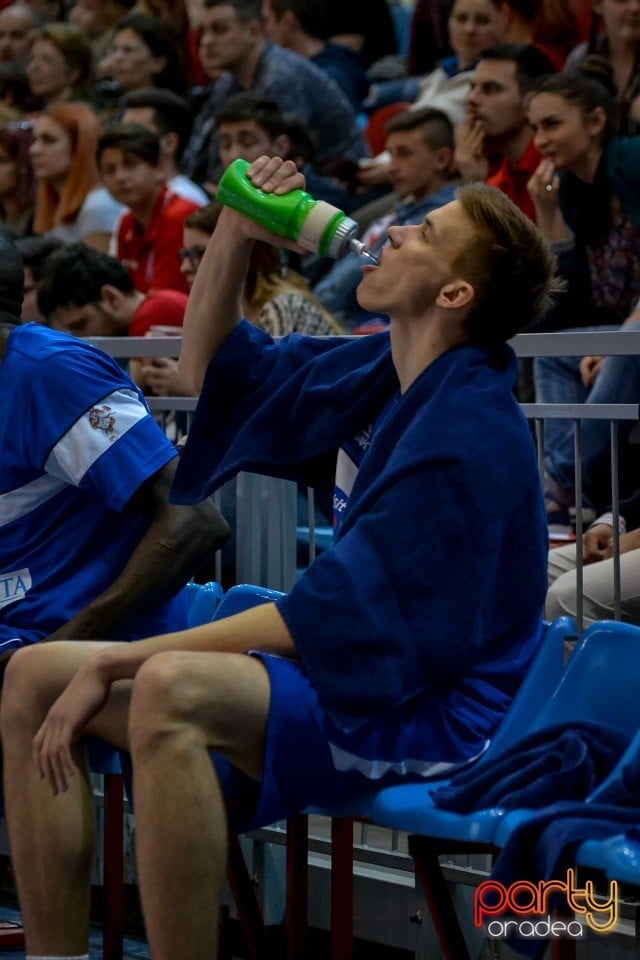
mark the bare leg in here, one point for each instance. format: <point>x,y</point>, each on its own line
<point>183,705</point>
<point>51,837</point>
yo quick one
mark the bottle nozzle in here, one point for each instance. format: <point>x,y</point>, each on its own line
<point>359,247</point>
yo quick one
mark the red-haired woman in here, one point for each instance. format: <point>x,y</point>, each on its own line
<point>70,202</point>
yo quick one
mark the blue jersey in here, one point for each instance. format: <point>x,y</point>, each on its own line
<point>77,442</point>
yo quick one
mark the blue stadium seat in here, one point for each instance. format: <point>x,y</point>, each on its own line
<point>242,597</point>
<point>536,688</point>
<point>203,600</point>
<point>599,684</point>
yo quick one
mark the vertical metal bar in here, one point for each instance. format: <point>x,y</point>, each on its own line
<point>297,913</point>
<point>113,931</point>
<point>342,900</point>
<point>539,425</point>
<point>615,509</point>
<point>288,541</point>
<point>578,502</point>
<point>273,498</point>
<point>248,528</point>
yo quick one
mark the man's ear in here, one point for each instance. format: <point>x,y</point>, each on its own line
<point>455,295</point>
<point>169,144</point>
<point>444,158</point>
<point>112,299</point>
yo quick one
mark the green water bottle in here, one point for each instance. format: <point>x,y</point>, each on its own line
<point>315,225</point>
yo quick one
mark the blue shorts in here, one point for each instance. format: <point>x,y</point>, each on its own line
<point>298,768</point>
<point>300,754</point>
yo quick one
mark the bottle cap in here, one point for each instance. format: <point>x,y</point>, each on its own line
<point>344,232</point>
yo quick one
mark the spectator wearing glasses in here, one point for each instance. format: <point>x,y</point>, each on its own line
<point>275,298</point>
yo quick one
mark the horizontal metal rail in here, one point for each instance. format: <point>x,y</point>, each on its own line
<point>570,343</point>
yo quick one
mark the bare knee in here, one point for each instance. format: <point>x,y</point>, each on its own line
<point>34,678</point>
<point>24,701</point>
<point>199,699</point>
<point>162,700</point>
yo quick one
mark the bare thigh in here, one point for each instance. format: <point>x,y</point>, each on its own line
<point>36,676</point>
<point>223,698</point>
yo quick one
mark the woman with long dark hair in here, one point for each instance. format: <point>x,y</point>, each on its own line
<point>586,193</point>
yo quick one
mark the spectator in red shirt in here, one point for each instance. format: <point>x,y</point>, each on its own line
<point>495,142</point>
<point>90,294</point>
<point>149,235</point>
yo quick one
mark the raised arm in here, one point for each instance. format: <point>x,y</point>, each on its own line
<point>215,302</point>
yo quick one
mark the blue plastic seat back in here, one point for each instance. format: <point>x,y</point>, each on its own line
<point>600,682</point>
<point>243,597</point>
<point>203,600</point>
<point>537,687</point>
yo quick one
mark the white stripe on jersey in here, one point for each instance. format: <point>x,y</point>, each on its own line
<point>93,433</point>
<point>346,473</point>
<point>76,452</point>
<point>18,503</point>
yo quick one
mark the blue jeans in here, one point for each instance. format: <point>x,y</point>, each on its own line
<point>557,380</point>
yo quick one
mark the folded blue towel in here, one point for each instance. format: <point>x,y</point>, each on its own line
<point>624,788</point>
<point>544,846</point>
<point>559,762</point>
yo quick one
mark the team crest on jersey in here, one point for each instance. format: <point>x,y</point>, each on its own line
<point>102,418</point>
<point>363,439</point>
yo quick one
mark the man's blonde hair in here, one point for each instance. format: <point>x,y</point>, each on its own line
<point>509,264</point>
